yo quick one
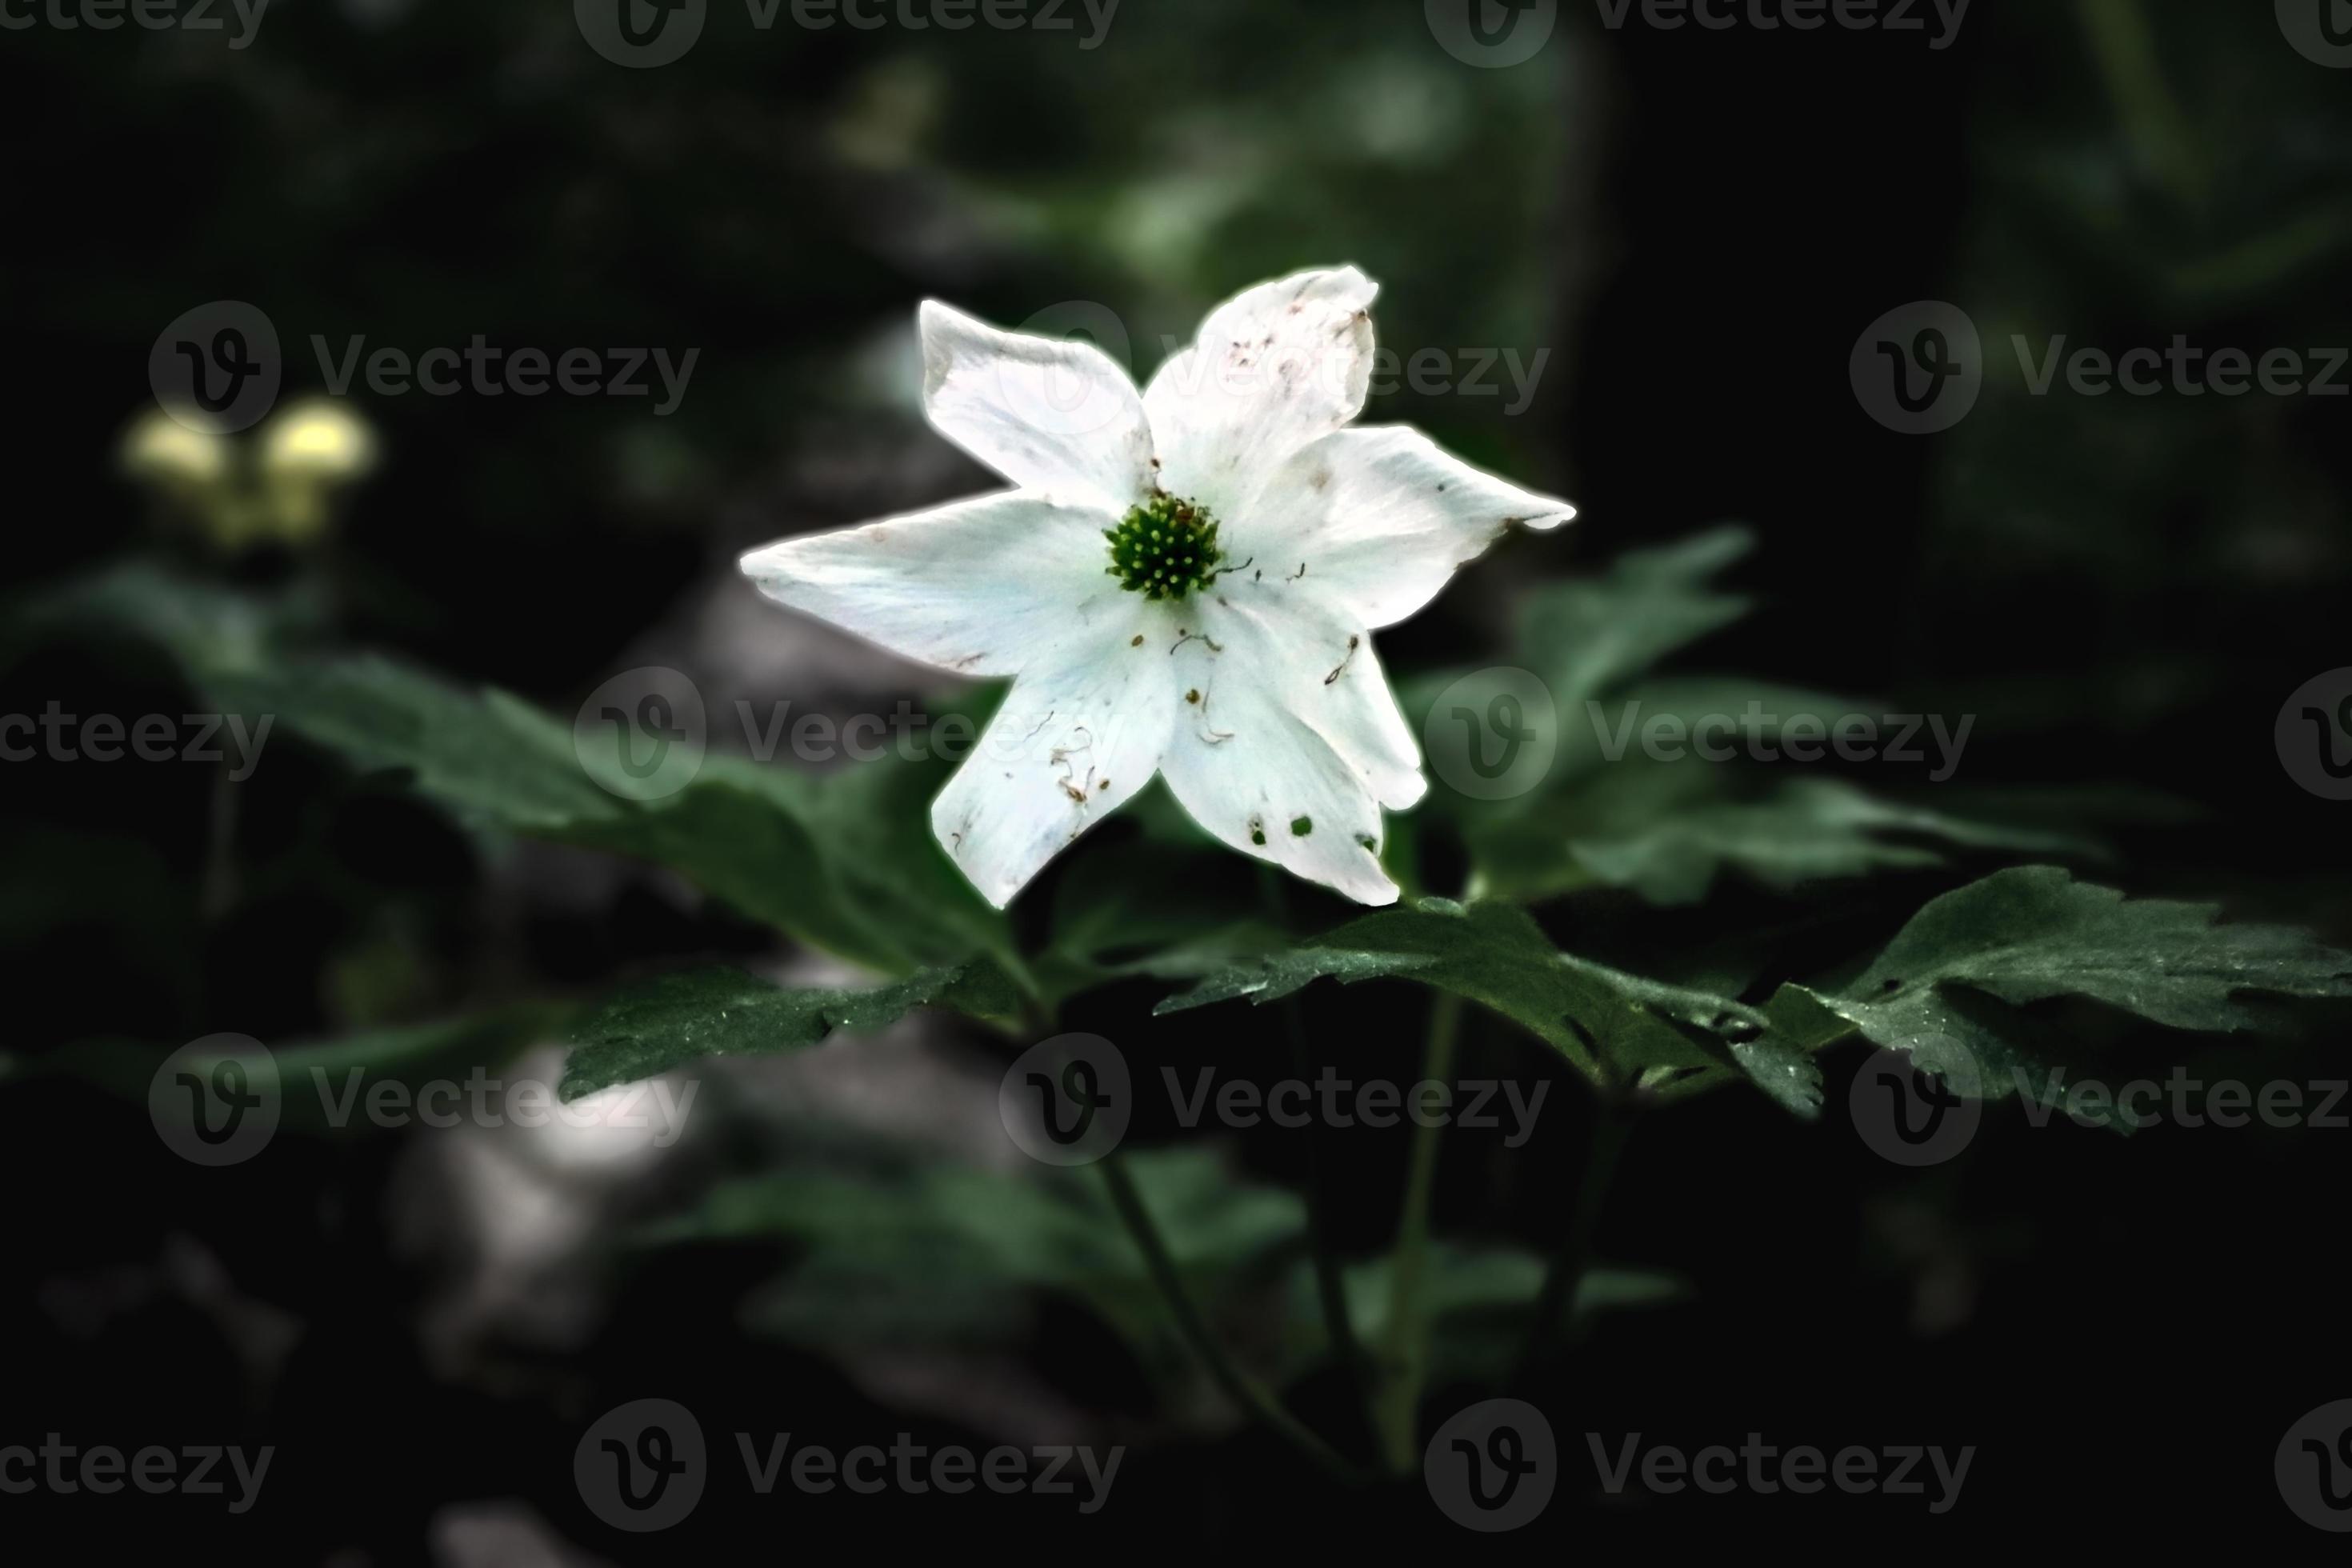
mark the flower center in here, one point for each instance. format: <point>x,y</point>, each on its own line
<point>1164,550</point>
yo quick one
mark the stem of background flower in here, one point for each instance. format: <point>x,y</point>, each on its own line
<point>217,892</point>
<point>1239,1386</point>
<point>1556,1302</point>
<point>2152,122</point>
<point>1331,1284</point>
<point>1404,1357</point>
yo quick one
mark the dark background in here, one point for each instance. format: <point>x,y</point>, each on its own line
<point>1697,225</point>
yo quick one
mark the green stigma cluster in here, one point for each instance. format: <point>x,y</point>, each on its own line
<point>1164,550</point>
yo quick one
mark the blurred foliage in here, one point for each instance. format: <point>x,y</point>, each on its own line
<point>2123,587</point>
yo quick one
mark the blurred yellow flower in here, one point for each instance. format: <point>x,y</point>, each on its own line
<point>160,451</point>
<point>317,440</point>
<point>241,495</point>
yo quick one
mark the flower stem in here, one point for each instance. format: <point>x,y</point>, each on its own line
<point>1331,1284</point>
<point>217,893</point>
<point>1612,1122</point>
<point>1239,1386</point>
<point>1404,1337</point>
<point>2152,124</point>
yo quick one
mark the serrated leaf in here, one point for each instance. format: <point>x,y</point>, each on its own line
<point>1586,638</point>
<point>846,863</point>
<point>667,1022</point>
<point>1805,830</point>
<point>490,757</point>
<point>879,1243</point>
<point>1605,1022</point>
<point>322,1083</point>
<point>1669,826</point>
<point>1948,987</point>
<point>2034,932</point>
<point>1276,976</point>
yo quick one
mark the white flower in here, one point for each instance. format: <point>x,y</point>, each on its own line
<point>1183,584</point>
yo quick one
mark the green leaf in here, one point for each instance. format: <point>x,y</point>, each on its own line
<point>1608,814</point>
<point>877,1244</point>
<point>1804,830</point>
<point>678,1019</point>
<point>847,863</point>
<point>324,1085</point>
<point>2034,932</point>
<point>1587,638</point>
<point>490,758</point>
<point>1605,1022</point>
<point>198,622</point>
<point>1948,987</point>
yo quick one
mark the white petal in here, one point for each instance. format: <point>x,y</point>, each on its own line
<point>1380,518</point>
<point>1261,778</point>
<point>1273,369</point>
<point>1070,745</point>
<point>1050,415</point>
<point>1318,662</point>
<point>985,586</point>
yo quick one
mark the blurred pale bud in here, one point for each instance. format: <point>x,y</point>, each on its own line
<point>158,450</point>
<point>309,450</point>
<point>317,440</point>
